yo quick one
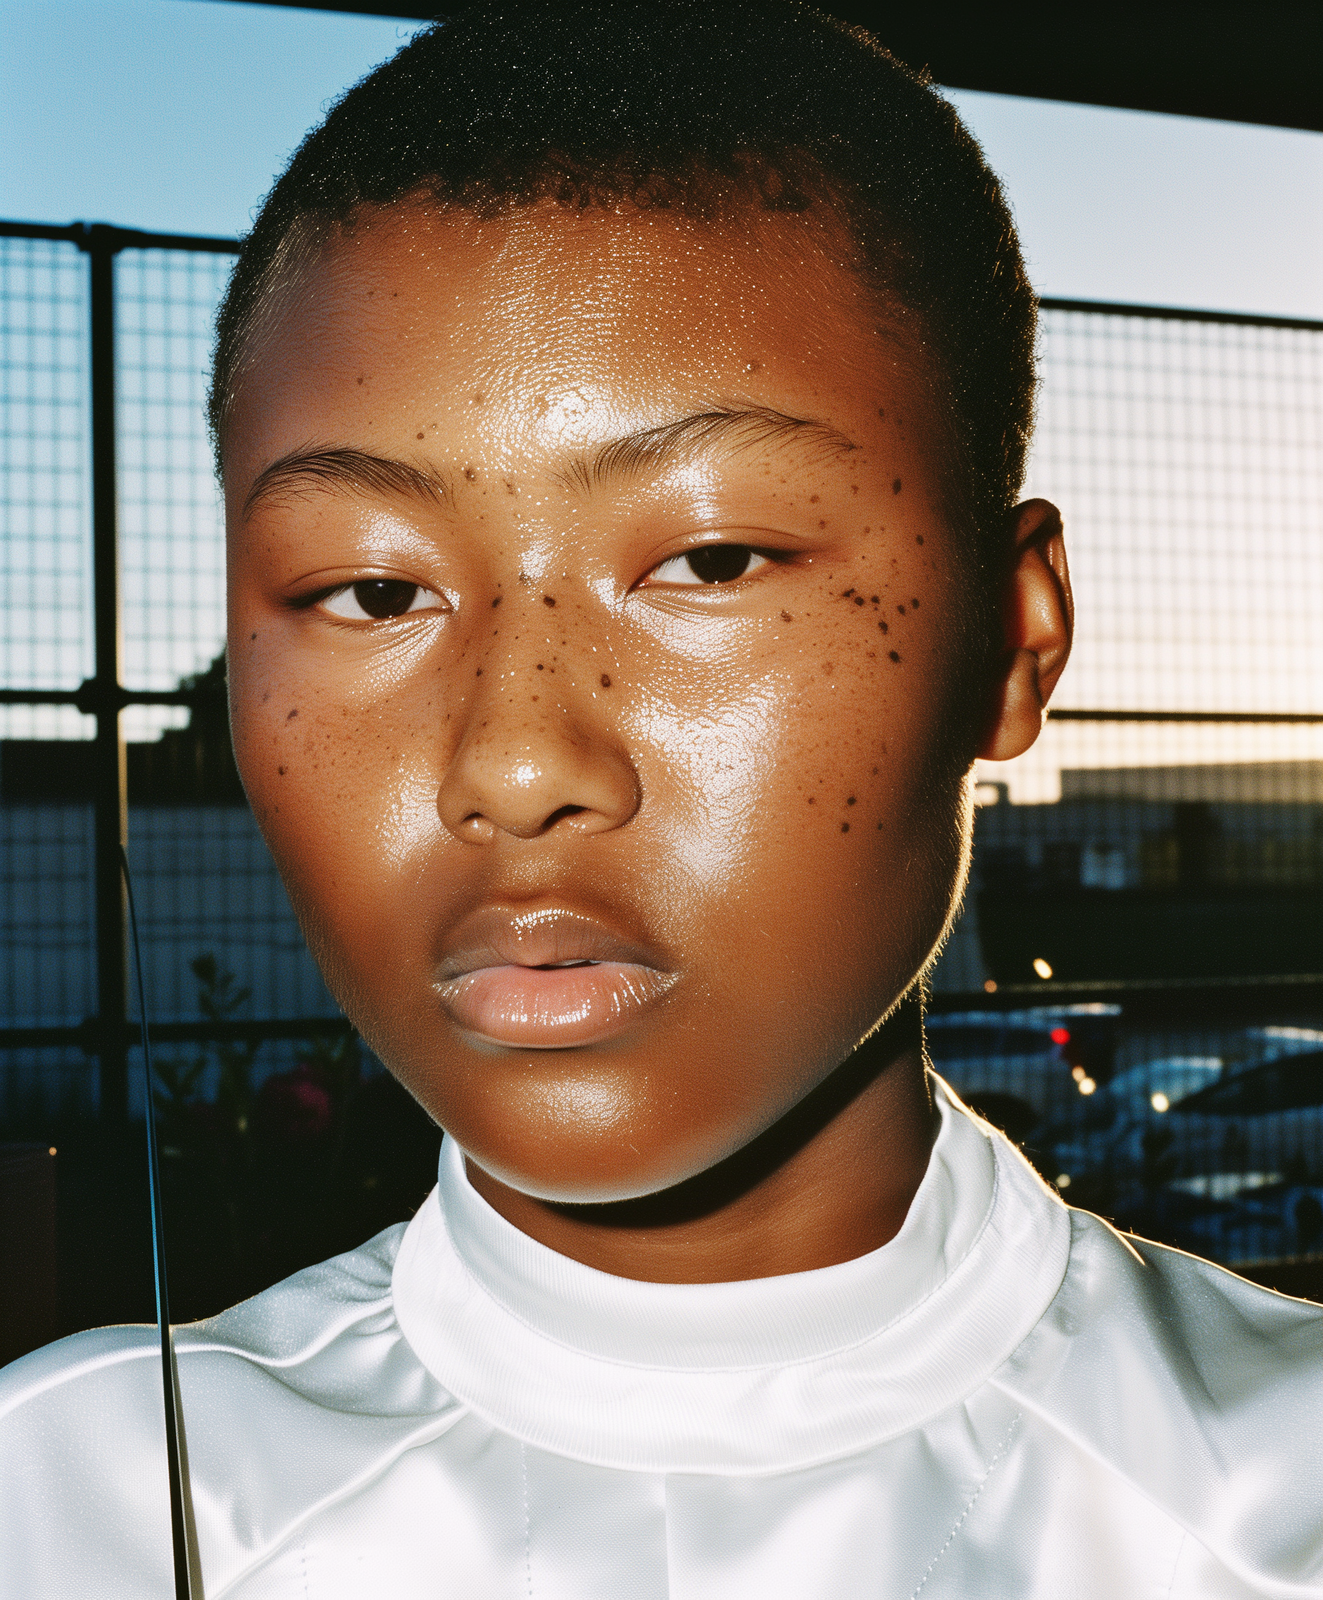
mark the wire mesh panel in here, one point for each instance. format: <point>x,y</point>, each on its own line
<point>172,557</point>
<point>45,568</point>
<point>1187,458</point>
<point>46,941</point>
<point>207,886</point>
<point>1169,821</point>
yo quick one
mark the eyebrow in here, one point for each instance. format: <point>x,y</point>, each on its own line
<point>325,467</point>
<point>634,455</point>
<point>738,428</point>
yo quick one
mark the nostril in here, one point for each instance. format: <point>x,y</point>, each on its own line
<point>561,815</point>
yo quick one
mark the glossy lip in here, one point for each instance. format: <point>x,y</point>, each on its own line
<point>547,979</point>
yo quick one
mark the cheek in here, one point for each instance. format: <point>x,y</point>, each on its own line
<point>817,813</point>
<point>340,792</point>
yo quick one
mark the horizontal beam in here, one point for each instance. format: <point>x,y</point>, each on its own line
<point>1222,59</point>
<point>102,236</point>
<point>1201,1001</point>
<point>1120,308</point>
<point>1082,714</point>
<point>88,697</point>
<point>88,1036</point>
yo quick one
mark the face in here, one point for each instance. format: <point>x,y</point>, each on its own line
<point>594,656</point>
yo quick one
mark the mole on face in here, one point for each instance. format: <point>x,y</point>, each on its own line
<point>497,602</point>
<point>548,600</point>
<point>292,714</point>
<point>785,617</point>
<point>895,656</point>
<point>606,681</point>
<point>895,486</point>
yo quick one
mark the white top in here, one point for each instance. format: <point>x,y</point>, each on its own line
<point>1007,1400</point>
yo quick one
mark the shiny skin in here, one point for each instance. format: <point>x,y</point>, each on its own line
<point>763,783</point>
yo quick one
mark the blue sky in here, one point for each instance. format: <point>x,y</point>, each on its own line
<point>176,115</point>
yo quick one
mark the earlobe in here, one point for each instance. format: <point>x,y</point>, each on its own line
<point>1038,622</point>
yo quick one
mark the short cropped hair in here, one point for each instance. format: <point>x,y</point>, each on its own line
<point>654,102</point>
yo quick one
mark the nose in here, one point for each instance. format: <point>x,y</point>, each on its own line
<point>523,778</point>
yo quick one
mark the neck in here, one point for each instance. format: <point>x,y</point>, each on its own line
<point>833,1179</point>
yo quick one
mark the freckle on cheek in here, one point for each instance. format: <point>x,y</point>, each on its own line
<point>292,714</point>
<point>606,681</point>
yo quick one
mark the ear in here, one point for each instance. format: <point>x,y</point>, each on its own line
<point>1038,623</point>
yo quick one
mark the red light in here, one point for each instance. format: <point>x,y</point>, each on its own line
<point>1061,1036</point>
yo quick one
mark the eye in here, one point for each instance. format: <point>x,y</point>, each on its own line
<point>378,599</point>
<point>710,563</point>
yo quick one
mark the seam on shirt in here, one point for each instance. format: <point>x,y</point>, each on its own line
<point>298,1525</point>
<point>303,1568</point>
<point>1176,1564</point>
<point>997,1455</point>
<point>528,1524</point>
<point>1227,1559</point>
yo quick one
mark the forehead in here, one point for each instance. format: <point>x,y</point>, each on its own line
<point>544,330</point>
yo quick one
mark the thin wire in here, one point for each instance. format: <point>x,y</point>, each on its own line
<point>178,1527</point>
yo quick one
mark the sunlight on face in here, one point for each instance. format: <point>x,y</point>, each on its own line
<point>588,570</point>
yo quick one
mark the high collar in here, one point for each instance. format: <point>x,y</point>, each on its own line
<point>754,1376</point>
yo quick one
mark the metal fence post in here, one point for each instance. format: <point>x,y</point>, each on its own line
<point>110,799</point>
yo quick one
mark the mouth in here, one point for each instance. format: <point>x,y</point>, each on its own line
<point>546,979</point>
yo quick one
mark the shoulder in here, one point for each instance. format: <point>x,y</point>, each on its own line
<point>284,1327</point>
<point>284,1399</point>
<point>1203,1390</point>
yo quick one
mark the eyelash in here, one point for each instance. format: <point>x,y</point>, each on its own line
<point>382,592</point>
<point>715,558</point>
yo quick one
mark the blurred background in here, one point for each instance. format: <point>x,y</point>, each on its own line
<point>1135,988</point>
